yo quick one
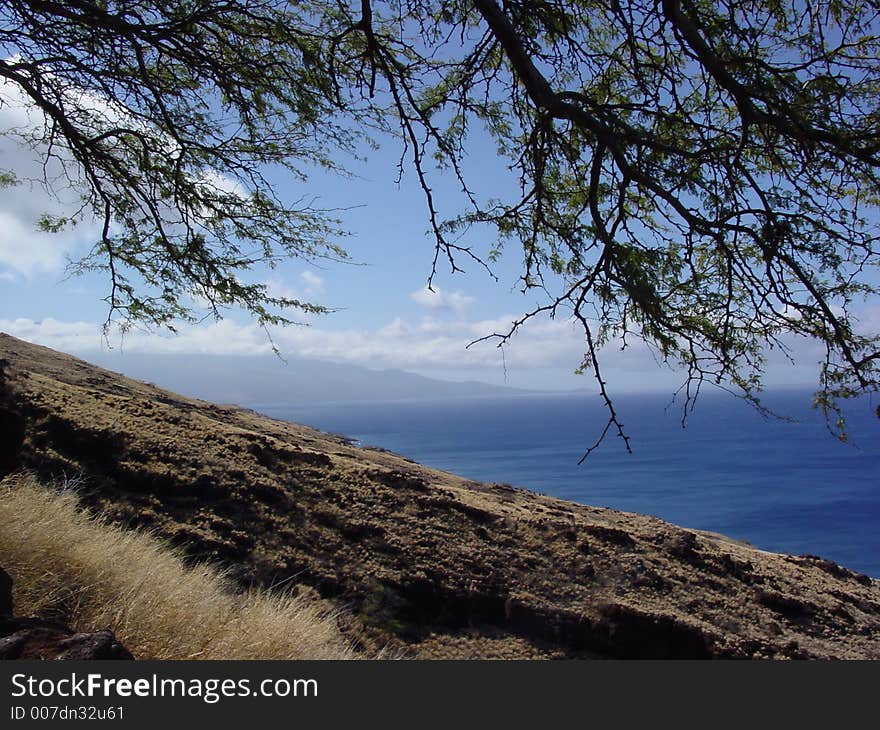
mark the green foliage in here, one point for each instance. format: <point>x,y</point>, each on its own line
<point>174,115</point>
<point>699,174</point>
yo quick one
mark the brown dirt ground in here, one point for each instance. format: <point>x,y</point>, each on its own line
<point>425,562</point>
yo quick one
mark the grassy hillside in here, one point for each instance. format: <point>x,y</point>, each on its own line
<point>435,565</point>
<point>82,571</point>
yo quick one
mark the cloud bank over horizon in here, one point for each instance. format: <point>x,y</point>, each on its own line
<point>543,355</point>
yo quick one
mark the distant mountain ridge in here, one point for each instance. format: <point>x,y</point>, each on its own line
<point>269,379</point>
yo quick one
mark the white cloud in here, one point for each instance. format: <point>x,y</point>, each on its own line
<point>277,288</point>
<point>539,347</point>
<point>214,181</point>
<point>437,299</point>
<point>220,338</point>
<point>52,186</point>
<point>544,353</point>
<point>308,288</point>
<point>395,329</point>
<point>397,344</point>
<point>313,283</point>
<point>24,250</point>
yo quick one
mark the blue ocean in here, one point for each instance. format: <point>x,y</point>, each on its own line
<point>782,485</point>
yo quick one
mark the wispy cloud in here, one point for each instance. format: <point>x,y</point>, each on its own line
<point>53,184</point>
<point>438,299</point>
<point>427,346</point>
<point>307,287</point>
<point>24,250</point>
<point>313,284</point>
<point>399,343</point>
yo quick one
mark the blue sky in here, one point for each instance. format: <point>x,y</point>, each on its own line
<point>385,316</point>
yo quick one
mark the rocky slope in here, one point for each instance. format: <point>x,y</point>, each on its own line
<point>423,560</point>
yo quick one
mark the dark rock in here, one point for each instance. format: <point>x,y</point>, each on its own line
<point>630,633</point>
<point>12,426</point>
<point>30,638</point>
<point>831,568</point>
<point>35,638</point>
<point>93,645</point>
<point>5,594</point>
<point>790,607</point>
<point>399,480</point>
<point>684,546</point>
<point>610,535</point>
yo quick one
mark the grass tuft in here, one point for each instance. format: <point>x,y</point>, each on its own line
<point>77,568</point>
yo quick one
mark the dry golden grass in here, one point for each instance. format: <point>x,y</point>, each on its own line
<point>69,565</point>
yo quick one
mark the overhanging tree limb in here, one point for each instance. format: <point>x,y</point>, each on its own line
<point>699,175</point>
